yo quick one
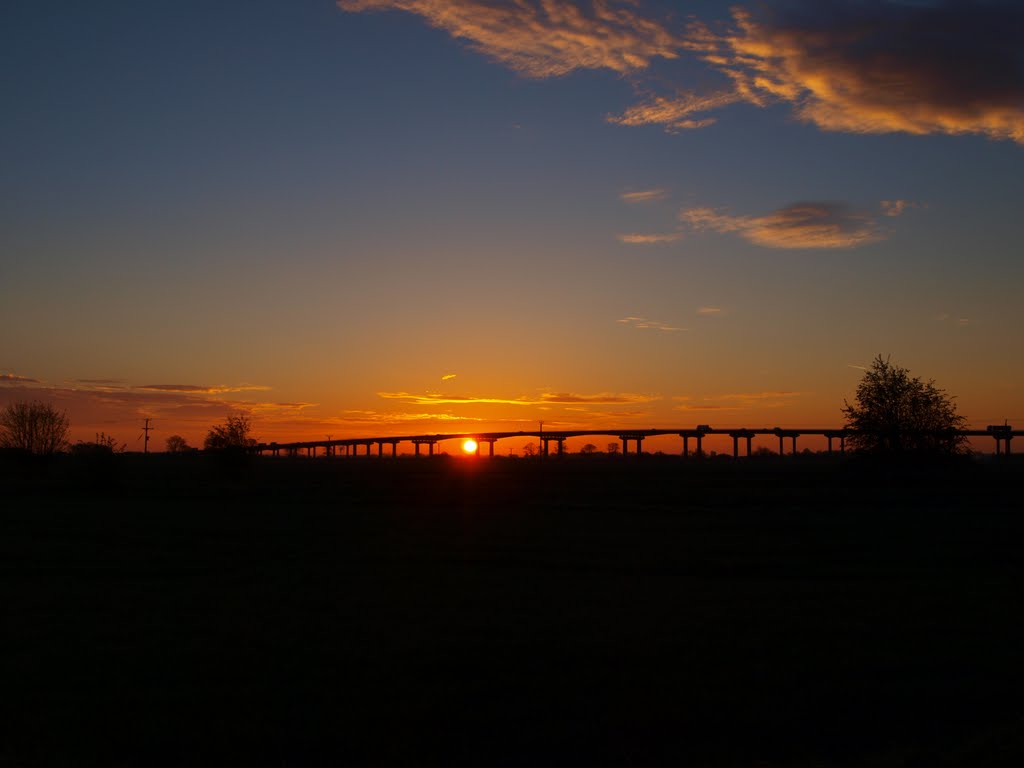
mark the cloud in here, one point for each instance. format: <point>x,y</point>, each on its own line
<point>639,239</point>
<point>197,389</point>
<point>544,38</point>
<point>942,67</point>
<point>12,378</point>
<point>801,225</point>
<point>897,207</point>
<point>101,382</point>
<point>739,401</point>
<point>448,376</point>
<point>644,323</point>
<point>674,112</point>
<point>279,407</point>
<point>604,398</point>
<point>644,196</point>
<point>546,398</point>
<point>709,311</point>
<point>751,396</point>
<point>687,408</point>
<point>388,417</point>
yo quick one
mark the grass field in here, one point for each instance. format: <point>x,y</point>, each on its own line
<point>578,611</point>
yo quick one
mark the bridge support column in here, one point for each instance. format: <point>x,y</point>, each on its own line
<point>794,445</point>
<point>749,438</point>
<point>700,446</point>
<point>686,446</point>
<point>625,446</point>
<point>735,446</point>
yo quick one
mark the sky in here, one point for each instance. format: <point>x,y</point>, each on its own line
<point>396,217</point>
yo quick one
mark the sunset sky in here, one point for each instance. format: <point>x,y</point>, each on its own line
<point>414,216</point>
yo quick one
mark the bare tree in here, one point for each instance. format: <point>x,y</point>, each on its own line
<point>233,434</point>
<point>588,449</point>
<point>103,445</point>
<point>177,444</point>
<point>34,427</point>
<point>613,447</point>
<point>529,450</point>
<point>894,413</point>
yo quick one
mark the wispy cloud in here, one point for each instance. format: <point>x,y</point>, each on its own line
<point>546,38</point>
<point>754,396</point>
<point>448,376</point>
<point>96,402</point>
<point>391,417</point>
<point>198,389</point>
<point>924,67</point>
<point>645,323</point>
<point>801,225</point>
<point>706,311</point>
<point>934,66</point>
<point>650,239</point>
<point>697,408</point>
<point>897,207</point>
<point>644,196</point>
<point>738,401</point>
<point>546,398</point>
<point>675,113</point>
<point>12,378</point>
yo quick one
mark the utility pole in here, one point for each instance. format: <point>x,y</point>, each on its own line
<point>145,443</point>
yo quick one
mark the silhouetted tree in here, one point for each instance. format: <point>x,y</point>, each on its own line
<point>588,449</point>
<point>103,445</point>
<point>234,434</point>
<point>34,427</point>
<point>613,447</point>
<point>177,444</point>
<point>529,450</point>
<point>894,413</point>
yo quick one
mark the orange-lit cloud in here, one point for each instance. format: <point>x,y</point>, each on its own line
<point>942,66</point>
<point>197,389</point>
<point>546,398</point>
<point>739,401</point>
<point>544,38</point>
<point>654,239</point>
<point>801,225</point>
<point>918,68</point>
<point>709,311</point>
<point>113,405</point>
<point>675,113</point>
<point>11,378</point>
<point>390,417</point>
<point>448,376</point>
<point>645,323</point>
<point>894,208</point>
<point>644,196</point>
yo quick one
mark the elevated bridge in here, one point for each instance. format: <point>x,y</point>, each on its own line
<point>836,438</point>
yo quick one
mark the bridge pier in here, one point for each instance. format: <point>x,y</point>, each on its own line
<point>743,434</point>
<point>546,440</point>
<point>429,442</point>
<point>490,445</point>
<point>638,439</point>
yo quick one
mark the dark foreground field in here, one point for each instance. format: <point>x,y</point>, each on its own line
<point>511,612</point>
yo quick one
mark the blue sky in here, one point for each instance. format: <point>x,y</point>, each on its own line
<point>601,212</point>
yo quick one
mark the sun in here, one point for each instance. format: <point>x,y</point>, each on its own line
<point>469,446</point>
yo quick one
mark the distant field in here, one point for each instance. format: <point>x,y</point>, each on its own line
<point>179,611</point>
